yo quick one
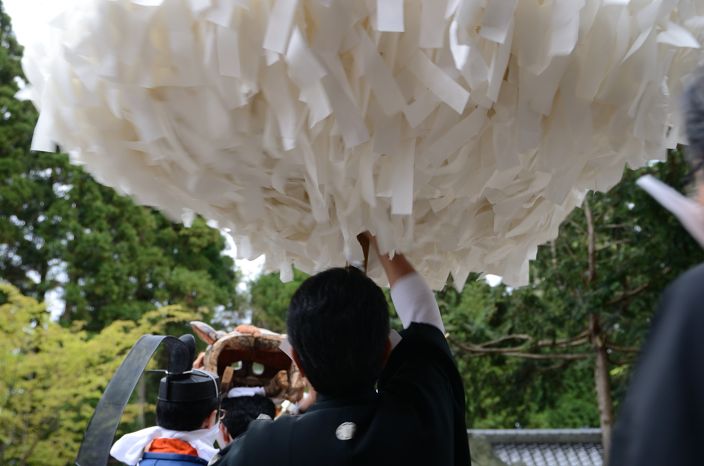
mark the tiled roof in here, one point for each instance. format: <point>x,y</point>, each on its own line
<point>544,447</point>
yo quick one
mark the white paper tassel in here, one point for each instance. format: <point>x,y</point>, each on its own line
<point>461,132</point>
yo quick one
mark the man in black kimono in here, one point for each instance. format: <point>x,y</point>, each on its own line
<point>382,400</point>
<point>662,420</point>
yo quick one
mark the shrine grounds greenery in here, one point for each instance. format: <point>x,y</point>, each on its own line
<point>556,353</point>
<point>52,376</point>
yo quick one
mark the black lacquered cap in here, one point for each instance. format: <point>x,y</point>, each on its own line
<point>183,384</point>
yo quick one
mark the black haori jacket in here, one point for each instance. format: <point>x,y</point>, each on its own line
<point>415,418</point>
<point>662,419</point>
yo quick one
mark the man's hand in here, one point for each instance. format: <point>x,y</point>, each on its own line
<point>395,268</point>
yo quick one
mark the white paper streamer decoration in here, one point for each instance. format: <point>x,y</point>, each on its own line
<point>459,131</point>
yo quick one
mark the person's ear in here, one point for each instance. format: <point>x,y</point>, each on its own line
<point>225,434</point>
<point>211,420</point>
<point>297,360</point>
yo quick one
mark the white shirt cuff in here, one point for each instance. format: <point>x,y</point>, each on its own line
<point>415,302</point>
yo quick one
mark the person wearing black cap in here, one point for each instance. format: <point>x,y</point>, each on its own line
<point>186,417</point>
<point>383,399</point>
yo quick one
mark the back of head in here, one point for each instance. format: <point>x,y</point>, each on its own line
<point>338,323</point>
<point>187,396</point>
<point>694,115</point>
<point>184,416</point>
<point>240,411</point>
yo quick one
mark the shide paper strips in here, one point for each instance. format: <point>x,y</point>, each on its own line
<point>688,211</point>
<point>461,132</point>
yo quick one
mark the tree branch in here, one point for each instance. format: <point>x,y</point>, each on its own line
<point>576,340</point>
<point>623,349</point>
<point>550,357</point>
<point>628,294</point>
<point>506,338</point>
<point>518,352</point>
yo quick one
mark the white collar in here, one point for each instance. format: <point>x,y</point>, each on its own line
<point>129,449</point>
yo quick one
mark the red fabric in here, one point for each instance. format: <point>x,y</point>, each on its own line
<point>171,445</point>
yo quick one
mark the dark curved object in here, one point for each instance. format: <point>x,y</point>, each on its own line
<point>182,361</point>
<point>98,438</point>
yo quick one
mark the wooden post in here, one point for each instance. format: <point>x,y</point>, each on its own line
<point>601,363</point>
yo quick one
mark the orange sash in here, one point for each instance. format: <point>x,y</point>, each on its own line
<point>171,445</point>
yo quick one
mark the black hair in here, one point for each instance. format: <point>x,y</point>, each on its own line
<point>184,416</point>
<point>338,323</point>
<point>240,411</point>
<point>694,118</point>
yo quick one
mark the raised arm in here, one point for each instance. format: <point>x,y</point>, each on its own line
<point>395,268</point>
<point>413,299</point>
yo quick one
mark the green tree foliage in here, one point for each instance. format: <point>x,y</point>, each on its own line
<point>16,125</point>
<point>508,391</point>
<point>59,229</point>
<point>51,377</point>
<point>528,355</point>
<point>270,298</point>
